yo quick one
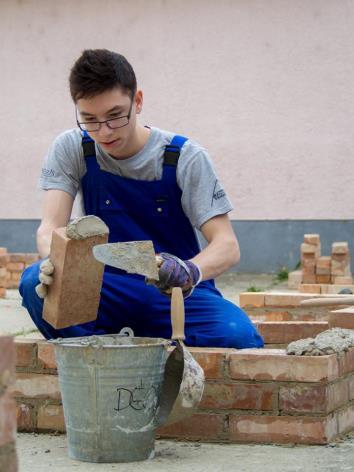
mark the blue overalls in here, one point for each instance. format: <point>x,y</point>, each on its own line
<point>140,210</point>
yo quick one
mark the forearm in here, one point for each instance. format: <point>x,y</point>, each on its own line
<point>44,239</point>
<point>217,257</point>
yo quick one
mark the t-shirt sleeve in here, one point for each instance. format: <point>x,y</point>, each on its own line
<point>62,168</point>
<point>203,196</point>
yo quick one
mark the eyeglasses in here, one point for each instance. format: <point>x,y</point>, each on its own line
<point>112,123</point>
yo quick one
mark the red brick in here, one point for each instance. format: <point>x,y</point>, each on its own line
<point>36,386</point>
<point>211,360</point>
<point>342,318</point>
<point>198,426</point>
<point>3,272</point>
<point>16,276</point>
<point>323,279</point>
<point>351,387</point>
<point>346,362</point>
<point>51,418</point>
<point>284,299</point>
<point>306,248</point>
<point>302,398</point>
<point>3,251</point>
<point>242,396</point>
<point>340,247</point>
<point>343,280</point>
<point>46,355</point>
<point>310,288</point>
<point>294,279</point>
<point>26,420</point>
<point>2,292</point>
<point>26,258</point>
<point>282,429</point>
<point>312,238</point>
<point>26,352</point>
<point>346,419</point>
<point>323,265</point>
<point>7,419</point>
<point>7,361</point>
<point>284,332</point>
<point>252,299</point>
<point>15,266</point>
<point>274,364</point>
<point>308,278</point>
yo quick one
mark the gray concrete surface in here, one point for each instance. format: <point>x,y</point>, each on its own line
<point>48,453</point>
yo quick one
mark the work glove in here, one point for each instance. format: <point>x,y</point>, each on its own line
<point>174,272</point>
<point>46,270</point>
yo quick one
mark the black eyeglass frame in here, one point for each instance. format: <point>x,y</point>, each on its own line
<point>99,123</point>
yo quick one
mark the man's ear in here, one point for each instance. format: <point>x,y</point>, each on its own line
<point>138,101</point>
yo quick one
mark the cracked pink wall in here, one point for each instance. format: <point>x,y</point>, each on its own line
<point>266,86</point>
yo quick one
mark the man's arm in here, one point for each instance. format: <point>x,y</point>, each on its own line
<point>57,207</point>
<point>222,250</point>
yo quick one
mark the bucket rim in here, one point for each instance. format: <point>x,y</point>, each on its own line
<point>75,342</point>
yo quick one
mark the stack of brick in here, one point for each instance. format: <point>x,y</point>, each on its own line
<point>4,259</point>
<point>322,274</point>
<point>8,457</point>
<point>251,395</point>
<point>17,262</point>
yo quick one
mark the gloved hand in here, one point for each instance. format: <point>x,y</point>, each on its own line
<point>174,272</point>
<point>46,270</point>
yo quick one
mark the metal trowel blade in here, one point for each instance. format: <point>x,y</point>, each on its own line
<point>135,257</point>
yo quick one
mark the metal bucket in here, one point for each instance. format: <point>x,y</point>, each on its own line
<point>110,388</point>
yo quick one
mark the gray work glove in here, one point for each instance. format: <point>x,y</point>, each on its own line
<point>46,270</point>
<point>174,272</point>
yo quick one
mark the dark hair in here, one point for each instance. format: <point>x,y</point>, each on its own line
<point>99,70</point>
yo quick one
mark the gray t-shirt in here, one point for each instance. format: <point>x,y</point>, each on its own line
<point>202,194</point>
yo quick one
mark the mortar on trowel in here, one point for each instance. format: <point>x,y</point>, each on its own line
<point>94,369</point>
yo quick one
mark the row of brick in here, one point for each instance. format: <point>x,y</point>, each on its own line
<point>252,395</point>
<point>8,457</point>
<point>11,268</point>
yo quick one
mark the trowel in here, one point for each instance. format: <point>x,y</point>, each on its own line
<point>135,257</point>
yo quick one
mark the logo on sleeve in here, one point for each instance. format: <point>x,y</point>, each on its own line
<point>217,193</point>
<point>47,172</point>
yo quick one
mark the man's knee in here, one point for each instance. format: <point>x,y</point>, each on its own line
<point>29,280</point>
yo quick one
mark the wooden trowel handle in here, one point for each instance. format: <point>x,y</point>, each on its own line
<point>177,314</point>
<point>334,301</point>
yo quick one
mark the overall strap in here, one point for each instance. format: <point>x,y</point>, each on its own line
<point>173,151</point>
<point>88,145</point>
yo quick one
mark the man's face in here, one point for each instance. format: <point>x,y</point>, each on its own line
<point>111,105</point>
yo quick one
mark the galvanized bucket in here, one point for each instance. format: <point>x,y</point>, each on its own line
<point>110,388</point>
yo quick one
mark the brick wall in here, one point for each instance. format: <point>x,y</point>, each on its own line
<point>251,395</point>
<point>11,268</point>
<point>8,457</point>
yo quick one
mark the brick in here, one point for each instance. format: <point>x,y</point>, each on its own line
<point>343,280</point>
<point>3,251</point>
<point>15,266</point>
<point>323,265</point>
<point>310,288</point>
<point>8,458</point>
<point>340,248</point>
<point>346,362</point>
<point>252,299</point>
<point>74,296</point>
<point>26,352</point>
<point>16,276</point>
<point>323,279</point>
<point>3,272</point>
<point>241,396</point>
<point>343,318</point>
<point>282,429</point>
<point>284,299</point>
<point>26,418</point>
<point>284,332</point>
<point>346,419</point>
<point>312,238</point>
<point>275,364</point>
<point>308,248</point>
<point>337,288</point>
<point>340,265</point>
<point>4,260</point>
<point>25,258</point>
<point>46,355</point>
<point>308,278</point>
<point>7,419</point>
<point>36,386</point>
<point>2,292</point>
<point>198,426</point>
<point>294,279</point>
<point>7,362</point>
<point>351,387</point>
<point>302,398</point>
<point>211,360</point>
<point>51,418</point>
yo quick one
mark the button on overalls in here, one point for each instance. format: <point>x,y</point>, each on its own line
<point>146,210</point>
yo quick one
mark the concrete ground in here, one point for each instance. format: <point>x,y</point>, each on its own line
<point>48,453</point>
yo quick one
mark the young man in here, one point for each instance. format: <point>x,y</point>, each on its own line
<point>144,183</point>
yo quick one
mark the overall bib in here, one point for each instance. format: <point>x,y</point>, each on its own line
<point>146,210</point>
